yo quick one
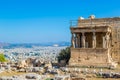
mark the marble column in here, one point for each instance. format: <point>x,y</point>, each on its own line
<point>107,40</point>
<point>104,42</point>
<point>73,41</point>
<point>76,41</point>
<point>78,37</point>
<point>83,40</point>
<point>94,40</point>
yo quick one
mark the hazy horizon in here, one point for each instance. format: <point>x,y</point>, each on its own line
<point>36,42</point>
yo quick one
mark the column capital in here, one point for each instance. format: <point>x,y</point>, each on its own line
<point>83,33</point>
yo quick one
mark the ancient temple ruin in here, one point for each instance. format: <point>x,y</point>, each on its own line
<point>95,41</point>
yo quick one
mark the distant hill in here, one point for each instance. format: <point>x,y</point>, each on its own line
<point>2,45</point>
<point>30,45</point>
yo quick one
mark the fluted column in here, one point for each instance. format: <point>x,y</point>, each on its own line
<point>83,40</point>
<point>94,40</point>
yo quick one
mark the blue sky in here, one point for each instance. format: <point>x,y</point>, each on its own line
<point>36,21</point>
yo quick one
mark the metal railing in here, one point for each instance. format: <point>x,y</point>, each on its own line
<point>89,22</point>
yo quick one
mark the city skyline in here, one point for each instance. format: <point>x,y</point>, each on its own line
<point>37,21</point>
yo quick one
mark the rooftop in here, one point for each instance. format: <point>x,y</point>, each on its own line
<point>96,22</point>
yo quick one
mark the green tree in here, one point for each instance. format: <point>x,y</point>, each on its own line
<point>64,55</point>
<point>2,58</point>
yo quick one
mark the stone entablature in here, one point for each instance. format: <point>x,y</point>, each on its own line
<point>91,29</point>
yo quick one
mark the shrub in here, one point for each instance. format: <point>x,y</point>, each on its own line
<point>64,55</point>
<point>2,58</point>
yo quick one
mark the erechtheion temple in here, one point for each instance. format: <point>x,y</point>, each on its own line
<point>95,41</point>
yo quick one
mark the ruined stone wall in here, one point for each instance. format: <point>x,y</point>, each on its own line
<point>88,57</point>
<point>115,47</point>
